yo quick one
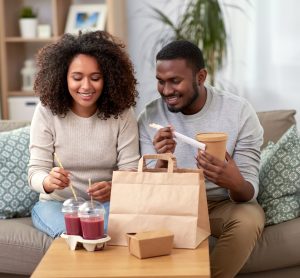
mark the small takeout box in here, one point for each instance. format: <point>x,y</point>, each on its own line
<point>150,244</point>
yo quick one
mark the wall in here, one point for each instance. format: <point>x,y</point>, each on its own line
<point>142,31</point>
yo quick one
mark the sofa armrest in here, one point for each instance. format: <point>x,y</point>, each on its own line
<point>276,123</point>
<point>6,125</point>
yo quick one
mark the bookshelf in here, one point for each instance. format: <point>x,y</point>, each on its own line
<point>14,49</point>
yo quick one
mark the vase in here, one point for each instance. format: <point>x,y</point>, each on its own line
<point>28,27</point>
<point>28,74</point>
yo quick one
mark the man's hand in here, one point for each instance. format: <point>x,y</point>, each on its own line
<point>163,142</point>
<point>225,174</point>
<point>58,178</point>
<point>100,191</point>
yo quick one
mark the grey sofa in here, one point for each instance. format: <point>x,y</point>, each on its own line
<point>22,246</point>
<point>277,253</point>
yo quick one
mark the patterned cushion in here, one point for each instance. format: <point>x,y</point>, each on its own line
<point>16,198</point>
<point>279,178</point>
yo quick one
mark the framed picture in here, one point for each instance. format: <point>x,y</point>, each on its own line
<point>87,17</point>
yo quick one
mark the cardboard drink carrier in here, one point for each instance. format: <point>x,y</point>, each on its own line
<point>152,199</point>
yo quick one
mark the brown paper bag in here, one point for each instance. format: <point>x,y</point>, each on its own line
<point>151,199</point>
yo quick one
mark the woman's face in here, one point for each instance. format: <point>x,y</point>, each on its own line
<point>85,84</point>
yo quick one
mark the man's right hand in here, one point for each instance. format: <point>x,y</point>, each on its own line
<point>58,178</point>
<point>164,142</point>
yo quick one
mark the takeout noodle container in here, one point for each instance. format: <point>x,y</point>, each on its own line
<point>215,143</point>
<point>91,216</point>
<point>150,244</point>
<point>70,210</point>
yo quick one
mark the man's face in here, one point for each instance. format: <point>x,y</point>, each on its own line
<point>178,86</point>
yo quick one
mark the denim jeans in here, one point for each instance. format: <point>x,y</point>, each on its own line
<point>48,218</point>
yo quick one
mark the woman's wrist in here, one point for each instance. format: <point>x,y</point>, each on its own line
<point>47,189</point>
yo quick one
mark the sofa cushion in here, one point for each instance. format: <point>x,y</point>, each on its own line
<point>22,246</point>
<point>16,198</point>
<point>275,124</point>
<point>277,248</point>
<point>279,179</point>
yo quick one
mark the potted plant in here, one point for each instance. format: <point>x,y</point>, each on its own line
<point>28,22</point>
<point>201,22</point>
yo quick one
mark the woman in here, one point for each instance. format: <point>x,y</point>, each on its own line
<point>86,87</point>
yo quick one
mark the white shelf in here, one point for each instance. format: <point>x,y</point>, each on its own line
<point>14,50</point>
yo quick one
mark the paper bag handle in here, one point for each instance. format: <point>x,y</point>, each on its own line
<point>166,156</point>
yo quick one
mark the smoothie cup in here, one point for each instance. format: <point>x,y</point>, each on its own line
<point>215,143</point>
<point>70,211</point>
<point>91,215</point>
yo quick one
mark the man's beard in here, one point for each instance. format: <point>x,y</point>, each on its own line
<point>190,101</point>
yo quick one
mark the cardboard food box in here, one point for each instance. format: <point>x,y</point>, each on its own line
<point>150,244</point>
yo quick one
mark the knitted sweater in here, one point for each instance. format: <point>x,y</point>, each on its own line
<point>222,112</point>
<point>87,147</point>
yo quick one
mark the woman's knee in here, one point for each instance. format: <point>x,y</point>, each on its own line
<point>48,218</point>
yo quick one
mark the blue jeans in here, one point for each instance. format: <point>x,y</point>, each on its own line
<point>48,218</point>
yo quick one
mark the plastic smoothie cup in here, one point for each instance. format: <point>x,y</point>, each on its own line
<point>215,143</point>
<point>70,211</point>
<point>91,215</point>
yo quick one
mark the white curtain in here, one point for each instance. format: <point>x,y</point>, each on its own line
<point>263,64</point>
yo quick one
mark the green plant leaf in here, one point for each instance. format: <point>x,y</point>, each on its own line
<point>27,12</point>
<point>201,22</point>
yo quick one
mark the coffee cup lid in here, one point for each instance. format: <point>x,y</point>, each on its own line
<point>211,136</point>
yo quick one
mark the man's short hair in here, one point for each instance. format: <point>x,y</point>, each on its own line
<point>182,49</point>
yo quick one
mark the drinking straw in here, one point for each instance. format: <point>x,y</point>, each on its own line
<point>60,165</point>
<point>183,138</point>
<point>90,184</point>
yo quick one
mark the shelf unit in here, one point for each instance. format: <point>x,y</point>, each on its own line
<point>14,50</point>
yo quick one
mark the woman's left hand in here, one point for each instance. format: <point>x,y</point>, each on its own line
<point>100,191</point>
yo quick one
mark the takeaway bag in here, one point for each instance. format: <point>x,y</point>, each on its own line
<point>151,199</point>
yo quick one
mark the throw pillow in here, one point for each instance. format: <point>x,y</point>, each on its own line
<point>16,198</point>
<point>279,179</point>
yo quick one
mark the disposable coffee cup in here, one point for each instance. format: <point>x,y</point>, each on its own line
<point>70,210</point>
<point>91,215</point>
<point>215,143</point>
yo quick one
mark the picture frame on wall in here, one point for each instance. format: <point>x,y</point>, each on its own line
<point>86,17</point>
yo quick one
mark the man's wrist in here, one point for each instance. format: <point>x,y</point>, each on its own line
<point>242,193</point>
<point>161,163</point>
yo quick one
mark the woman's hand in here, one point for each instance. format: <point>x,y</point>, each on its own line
<point>58,178</point>
<point>100,191</point>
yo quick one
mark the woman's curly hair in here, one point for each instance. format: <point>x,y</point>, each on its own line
<point>53,60</point>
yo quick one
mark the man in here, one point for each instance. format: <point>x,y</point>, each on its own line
<point>189,107</point>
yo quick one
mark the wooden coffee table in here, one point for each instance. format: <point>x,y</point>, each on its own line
<point>115,261</point>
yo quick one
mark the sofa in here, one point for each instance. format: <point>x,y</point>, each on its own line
<point>276,254</point>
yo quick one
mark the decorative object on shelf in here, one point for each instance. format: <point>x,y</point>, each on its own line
<point>28,73</point>
<point>44,31</point>
<point>86,17</point>
<point>28,22</point>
